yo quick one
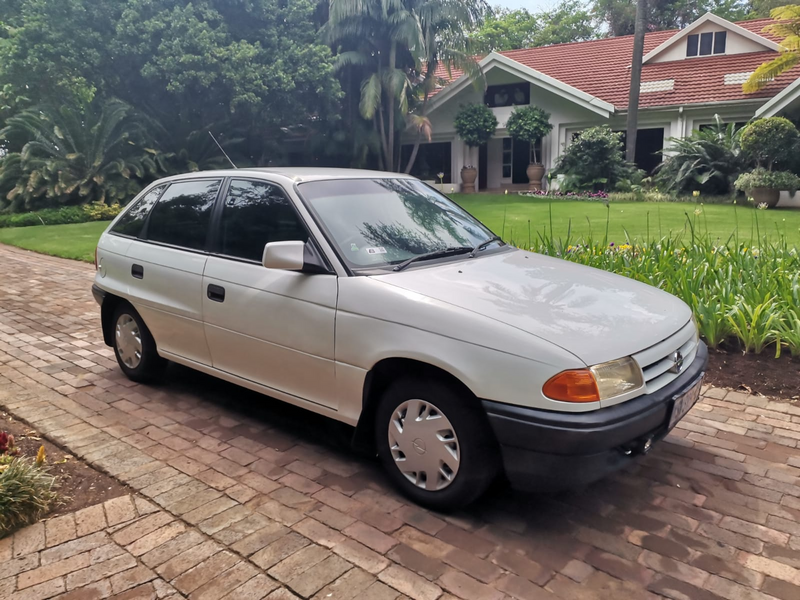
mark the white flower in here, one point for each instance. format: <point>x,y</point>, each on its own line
<point>762,206</point>
<point>698,212</point>
<point>440,175</point>
<point>452,190</point>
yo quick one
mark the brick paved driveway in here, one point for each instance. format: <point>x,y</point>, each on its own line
<point>711,513</point>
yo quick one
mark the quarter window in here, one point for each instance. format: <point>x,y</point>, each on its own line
<point>132,221</point>
<point>182,215</point>
<point>256,213</point>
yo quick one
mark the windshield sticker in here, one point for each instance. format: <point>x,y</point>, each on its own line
<point>353,248</point>
<point>378,250</point>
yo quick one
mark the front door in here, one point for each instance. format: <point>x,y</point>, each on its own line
<point>521,157</point>
<point>268,326</point>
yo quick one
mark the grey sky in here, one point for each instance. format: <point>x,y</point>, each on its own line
<point>531,5</point>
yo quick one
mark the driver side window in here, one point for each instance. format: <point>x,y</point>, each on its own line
<point>256,213</point>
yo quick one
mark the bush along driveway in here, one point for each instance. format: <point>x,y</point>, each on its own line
<point>261,500</point>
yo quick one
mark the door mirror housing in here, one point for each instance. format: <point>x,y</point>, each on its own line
<point>287,256</point>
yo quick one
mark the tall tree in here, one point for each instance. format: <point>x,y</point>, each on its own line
<point>787,26</point>
<point>636,81</point>
<point>620,15</point>
<point>504,29</point>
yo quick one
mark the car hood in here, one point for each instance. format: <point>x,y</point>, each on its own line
<point>595,315</point>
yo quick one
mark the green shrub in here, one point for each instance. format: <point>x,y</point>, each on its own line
<point>707,160</point>
<point>96,211</point>
<point>594,161</point>
<point>770,140</point>
<point>475,124</point>
<point>529,124</point>
<point>26,493</point>
<point>762,178</point>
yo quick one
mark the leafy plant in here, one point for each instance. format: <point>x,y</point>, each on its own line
<point>769,140</point>
<point>475,124</point>
<point>78,154</point>
<point>762,178</point>
<point>26,493</point>
<point>529,124</point>
<point>594,160</point>
<point>707,160</point>
<point>787,26</point>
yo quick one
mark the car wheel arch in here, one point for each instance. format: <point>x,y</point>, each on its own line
<point>378,379</point>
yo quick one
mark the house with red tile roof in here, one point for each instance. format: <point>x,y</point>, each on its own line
<point>688,77</point>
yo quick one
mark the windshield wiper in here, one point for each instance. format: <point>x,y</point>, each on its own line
<point>435,254</point>
<point>482,245</point>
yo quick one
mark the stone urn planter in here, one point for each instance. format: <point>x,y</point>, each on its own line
<point>535,172</point>
<point>468,177</point>
<point>765,195</point>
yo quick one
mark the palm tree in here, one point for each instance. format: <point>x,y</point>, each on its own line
<point>787,27</point>
<point>78,154</point>
<point>396,46</point>
<point>636,81</point>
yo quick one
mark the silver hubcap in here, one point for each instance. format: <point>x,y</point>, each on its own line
<point>424,445</point>
<point>129,341</point>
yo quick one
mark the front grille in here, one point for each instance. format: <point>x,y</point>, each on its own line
<point>658,360</point>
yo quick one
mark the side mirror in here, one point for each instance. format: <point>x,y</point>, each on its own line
<point>287,256</point>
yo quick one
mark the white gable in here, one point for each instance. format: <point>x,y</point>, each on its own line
<point>738,40</point>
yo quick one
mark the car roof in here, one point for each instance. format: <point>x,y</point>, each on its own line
<point>294,174</point>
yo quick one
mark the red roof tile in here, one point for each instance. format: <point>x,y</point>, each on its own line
<point>602,68</point>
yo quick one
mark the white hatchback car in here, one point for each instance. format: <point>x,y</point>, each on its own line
<point>375,300</point>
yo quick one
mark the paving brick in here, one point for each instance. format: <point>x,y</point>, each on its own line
<point>131,578</point>
<point>154,539</point>
<point>187,559</point>
<point>95,591</point>
<point>59,530</point>
<point>318,576</point>
<point>119,510</point>
<point>410,584</point>
<point>522,566</point>
<point>28,540</point>
<point>90,520</point>
<point>360,555</point>
<point>254,589</point>
<point>318,533</point>
<point>225,582</point>
<point>259,539</point>
<point>522,589</point>
<point>430,568</point>
<point>299,562</point>
<point>204,572</point>
<point>141,527</point>
<point>52,571</point>
<point>279,550</point>
<point>781,589</point>
<point>370,537</point>
<point>100,571</point>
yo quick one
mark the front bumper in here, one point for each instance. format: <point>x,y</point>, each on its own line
<point>547,450</point>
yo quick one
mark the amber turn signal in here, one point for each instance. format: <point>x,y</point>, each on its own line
<point>572,386</point>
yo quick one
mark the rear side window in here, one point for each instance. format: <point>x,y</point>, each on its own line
<point>256,213</point>
<point>182,216</point>
<point>132,221</point>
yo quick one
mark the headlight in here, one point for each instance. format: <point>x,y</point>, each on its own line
<point>600,382</point>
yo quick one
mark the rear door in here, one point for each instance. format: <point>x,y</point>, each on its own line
<point>268,326</point>
<point>166,268</point>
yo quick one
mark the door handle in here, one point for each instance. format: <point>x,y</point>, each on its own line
<point>137,271</point>
<point>216,293</point>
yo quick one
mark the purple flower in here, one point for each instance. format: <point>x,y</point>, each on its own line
<point>611,244</point>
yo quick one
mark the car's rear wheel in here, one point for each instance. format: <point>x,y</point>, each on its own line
<point>135,347</point>
<point>435,443</point>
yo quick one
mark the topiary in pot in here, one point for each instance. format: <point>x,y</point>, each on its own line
<point>530,124</point>
<point>765,187</point>
<point>771,140</point>
<point>475,124</point>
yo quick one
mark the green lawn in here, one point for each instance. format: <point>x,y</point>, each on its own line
<point>509,215</point>
<point>77,240</point>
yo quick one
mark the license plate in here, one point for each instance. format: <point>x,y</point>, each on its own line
<point>683,403</point>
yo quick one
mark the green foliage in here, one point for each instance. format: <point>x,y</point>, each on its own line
<point>594,160</point>
<point>26,493</point>
<point>529,124</point>
<point>739,294</point>
<point>76,154</point>
<point>475,124</point>
<point>619,15</point>
<point>708,160</point>
<point>787,29</point>
<point>770,140</point>
<point>505,29</point>
<point>96,211</point>
<point>762,178</point>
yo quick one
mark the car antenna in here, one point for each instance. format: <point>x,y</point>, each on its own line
<point>222,150</point>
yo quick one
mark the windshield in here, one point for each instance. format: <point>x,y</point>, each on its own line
<point>379,222</point>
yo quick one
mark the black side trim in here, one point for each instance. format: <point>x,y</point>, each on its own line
<point>595,431</point>
<point>99,294</point>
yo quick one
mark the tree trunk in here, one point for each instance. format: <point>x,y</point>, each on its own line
<point>415,150</point>
<point>636,80</point>
<point>390,105</point>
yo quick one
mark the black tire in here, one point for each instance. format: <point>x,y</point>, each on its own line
<point>150,366</point>
<point>479,459</point>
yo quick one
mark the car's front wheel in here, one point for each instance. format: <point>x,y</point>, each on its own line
<point>135,347</point>
<point>435,443</point>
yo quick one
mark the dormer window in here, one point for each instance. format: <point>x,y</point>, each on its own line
<point>706,44</point>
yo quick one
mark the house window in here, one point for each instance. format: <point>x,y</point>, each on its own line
<point>705,44</point>
<point>508,155</point>
<point>508,95</point>
<point>431,160</point>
